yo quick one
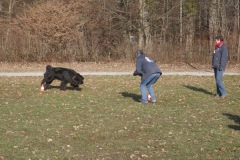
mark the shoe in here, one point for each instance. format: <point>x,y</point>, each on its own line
<point>153,101</point>
<point>144,102</point>
<point>216,95</point>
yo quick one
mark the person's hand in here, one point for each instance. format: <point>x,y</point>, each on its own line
<point>136,73</point>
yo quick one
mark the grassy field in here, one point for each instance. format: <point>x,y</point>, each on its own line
<point>106,121</point>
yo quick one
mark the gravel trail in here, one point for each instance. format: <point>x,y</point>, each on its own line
<point>34,74</point>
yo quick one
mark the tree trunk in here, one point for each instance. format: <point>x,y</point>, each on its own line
<point>237,28</point>
<point>213,23</point>
<point>10,8</point>
<point>222,12</point>
<point>1,7</point>
<point>181,22</point>
<point>238,56</point>
<point>189,38</point>
<point>144,29</point>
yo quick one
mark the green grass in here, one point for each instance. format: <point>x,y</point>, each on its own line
<point>105,120</point>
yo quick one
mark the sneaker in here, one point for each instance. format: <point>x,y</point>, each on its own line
<point>223,96</point>
<point>153,101</point>
<point>144,102</point>
<point>216,95</point>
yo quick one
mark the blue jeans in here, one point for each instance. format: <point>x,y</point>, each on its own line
<point>221,91</point>
<point>147,83</point>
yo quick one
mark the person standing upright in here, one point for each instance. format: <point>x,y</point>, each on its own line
<point>219,63</point>
<point>149,72</point>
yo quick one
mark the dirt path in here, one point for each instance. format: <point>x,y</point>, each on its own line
<point>115,68</point>
<point>22,74</point>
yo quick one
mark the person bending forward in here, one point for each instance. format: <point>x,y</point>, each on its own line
<point>149,72</point>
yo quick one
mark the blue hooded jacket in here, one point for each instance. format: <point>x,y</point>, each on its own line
<point>220,57</point>
<point>145,67</point>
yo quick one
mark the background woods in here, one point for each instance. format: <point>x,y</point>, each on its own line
<point>108,30</point>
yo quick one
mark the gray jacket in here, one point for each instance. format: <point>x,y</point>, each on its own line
<point>145,67</point>
<point>220,58</point>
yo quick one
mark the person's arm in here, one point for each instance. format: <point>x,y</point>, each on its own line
<point>224,59</point>
<point>136,73</point>
<point>138,70</point>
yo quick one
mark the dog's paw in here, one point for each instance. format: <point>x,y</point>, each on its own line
<point>78,89</point>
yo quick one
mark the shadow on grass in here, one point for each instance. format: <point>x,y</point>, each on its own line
<point>235,118</point>
<point>134,96</point>
<point>198,89</point>
<point>58,87</point>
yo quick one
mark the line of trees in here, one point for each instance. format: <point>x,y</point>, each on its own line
<point>108,30</point>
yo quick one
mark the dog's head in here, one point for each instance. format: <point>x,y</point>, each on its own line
<point>49,74</point>
<point>77,79</point>
<point>48,68</point>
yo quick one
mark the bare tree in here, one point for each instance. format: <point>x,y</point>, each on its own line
<point>1,7</point>
<point>50,27</point>
<point>100,29</point>
<point>237,27</point>
<point>10,11</point>
<point>144,29</point>
<point>181,21</point>
<point>190,12</point>
<point>213,22</point>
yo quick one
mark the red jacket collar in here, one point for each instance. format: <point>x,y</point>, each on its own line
<point>218,44</point>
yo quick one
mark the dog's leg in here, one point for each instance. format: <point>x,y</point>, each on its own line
<point>63,86</point>
<point>65,80</point>
<point>43,82</point>
<point>47,85</point>
<point>76,87</point>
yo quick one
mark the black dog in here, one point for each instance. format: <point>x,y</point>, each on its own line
<point>65,75</point>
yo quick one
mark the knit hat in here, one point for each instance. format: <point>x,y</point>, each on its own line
<point>219,37</point>
<point>139,52</point>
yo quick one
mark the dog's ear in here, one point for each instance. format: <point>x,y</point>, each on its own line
<point>80,76</point>
<point>48,67</point>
